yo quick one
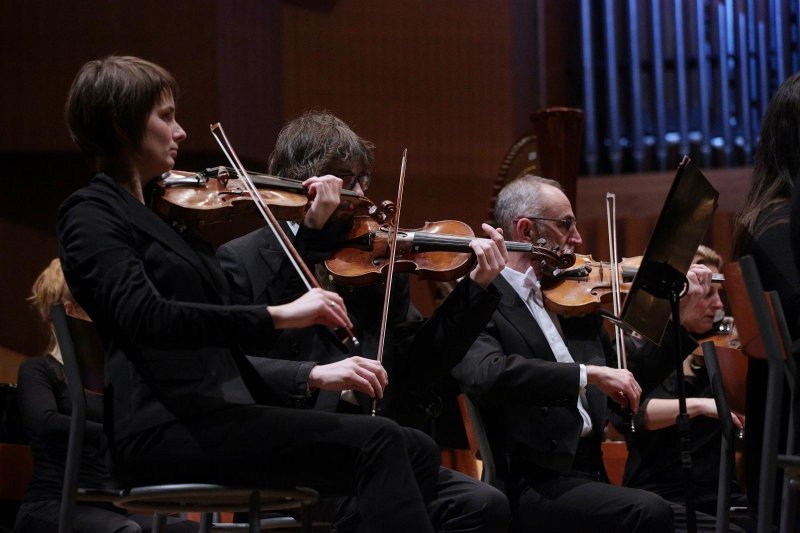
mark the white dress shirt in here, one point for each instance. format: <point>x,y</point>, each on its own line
<point>527,287</point>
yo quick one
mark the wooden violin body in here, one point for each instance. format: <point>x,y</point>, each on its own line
<point>219,207</point>
<point>586,286</point>
<point>364,253</point>
<point>439,251</point>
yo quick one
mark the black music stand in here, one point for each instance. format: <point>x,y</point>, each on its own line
<point>659,284</point>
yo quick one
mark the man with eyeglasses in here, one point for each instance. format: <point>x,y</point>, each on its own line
<point>542,384</point>
<point>326,154</point>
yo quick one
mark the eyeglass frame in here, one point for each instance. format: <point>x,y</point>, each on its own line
<point>364,179</point>
<point>567,223</point>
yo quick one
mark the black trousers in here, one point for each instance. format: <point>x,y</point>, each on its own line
<point>576,504</point>
<point>460,504</point>
<point>335,454</point>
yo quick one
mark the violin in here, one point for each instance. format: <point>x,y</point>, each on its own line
<point>586,287</point>
<point>732,361</point>
<point>216,198</point>
<point>438,251</point>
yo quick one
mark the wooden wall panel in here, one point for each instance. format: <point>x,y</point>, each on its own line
<point>44,44</point>
<point>434,77</point>
<point>640,198</point>
<point>225,56</point>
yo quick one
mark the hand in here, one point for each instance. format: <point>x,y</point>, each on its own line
<point>708,407</point>
<point>324,193</point>
<point>619,385</point>
<point>314,307</point>
<point>354,373</point>
<point>699,277</point>
<point>492,256</point>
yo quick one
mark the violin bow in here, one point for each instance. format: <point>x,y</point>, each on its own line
<point>286,244</point>
<point>611,215</point>
<point>392,244</point>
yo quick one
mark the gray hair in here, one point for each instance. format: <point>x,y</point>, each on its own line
<point>521,197</point>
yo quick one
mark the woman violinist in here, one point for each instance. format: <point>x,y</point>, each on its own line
<point>653,462</point>
<point>181,397</point>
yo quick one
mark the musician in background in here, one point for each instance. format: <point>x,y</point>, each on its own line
<point>46,410</point>
<point>654,461</point>
<point>542,384</point>
<point>324,152</point>
<point>762,230</point>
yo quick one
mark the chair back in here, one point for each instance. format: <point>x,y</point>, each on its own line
<point>728,430</point>
<point>712,358</point>
<point>732,364</point>
<point>743,312</point>
<point>774,334</point>
<point>478,438</point>
<point>84,364</point>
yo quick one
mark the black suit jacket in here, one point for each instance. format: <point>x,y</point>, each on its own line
<point>528,399</point>
<point>161,305</point>
<point>417,353</point>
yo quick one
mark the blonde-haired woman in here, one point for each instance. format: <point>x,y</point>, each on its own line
<point>46,408</point>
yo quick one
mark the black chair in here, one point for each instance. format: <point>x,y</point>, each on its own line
<point>776,343</point>
<point>84,364</point>
<point>729,432</point>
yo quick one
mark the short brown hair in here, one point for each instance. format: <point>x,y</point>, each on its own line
<point>307,145</point>
<point>708,257</point>
<point>110,99</point>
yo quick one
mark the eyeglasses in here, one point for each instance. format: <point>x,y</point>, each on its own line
<point>567,223</point>
<point>363,179</point>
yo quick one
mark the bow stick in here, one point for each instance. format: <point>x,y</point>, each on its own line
<point>611,216</point>
<point>392,244</point>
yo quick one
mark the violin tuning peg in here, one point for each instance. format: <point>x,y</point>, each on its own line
<point>541,243</point>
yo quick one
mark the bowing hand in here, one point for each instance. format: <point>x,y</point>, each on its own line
<point>617,384</point>
<point>354,373</point>
<point>317,306</point>
<point>707,407</point>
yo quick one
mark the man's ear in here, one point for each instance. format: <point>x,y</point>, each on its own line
<point>525,230</point>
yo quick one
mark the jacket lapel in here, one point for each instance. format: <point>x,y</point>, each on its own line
<point>519,316</point>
